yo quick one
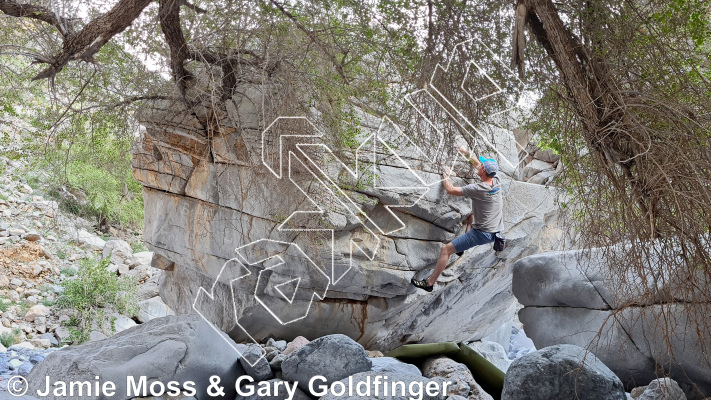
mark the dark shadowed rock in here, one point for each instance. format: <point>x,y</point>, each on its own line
<point>561,372</point>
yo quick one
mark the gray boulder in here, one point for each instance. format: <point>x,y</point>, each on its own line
<point>334,357</point>
<point>254,363</point>
<point>493,352</point>
<point>561,372</point>
<point>174,348</point>
<point>663,389</point>
<point>393,365</point>
<point>117,251</point>
<point>568,299</point>
<point>462,381</point>
<point>415,387</point>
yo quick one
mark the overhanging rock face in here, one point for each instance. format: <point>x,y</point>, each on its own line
<point>220,191</point>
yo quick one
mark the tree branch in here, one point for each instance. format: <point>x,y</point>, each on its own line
<point>39,13</point>
<point>169,15</point>
<point>94,35</point>
<point>193,7</point>
<point>314,39</point>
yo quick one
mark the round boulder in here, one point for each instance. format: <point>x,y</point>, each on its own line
<point>663,389</point>
<point>334,357</point>
<point>561,372</point>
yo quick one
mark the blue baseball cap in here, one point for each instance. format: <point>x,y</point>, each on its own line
<point>490,165</point>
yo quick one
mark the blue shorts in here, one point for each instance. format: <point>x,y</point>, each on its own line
<point>474,237</point>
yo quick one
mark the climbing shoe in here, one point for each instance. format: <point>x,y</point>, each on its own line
<point>422,284</point>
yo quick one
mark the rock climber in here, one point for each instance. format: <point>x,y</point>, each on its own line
<point>482,224</point>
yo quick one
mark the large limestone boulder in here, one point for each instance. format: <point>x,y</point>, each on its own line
<point>568,299</point>
<point>561,372</point>
<point>175,348</point>
<point>260,247</point>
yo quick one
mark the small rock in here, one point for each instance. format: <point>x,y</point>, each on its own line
<point>153,308</point>
<point>14,364</point>
<point>41,343</point>
<point>32,237</point>
<point>393,365</point>
<point>122,269</point>
<point>462,380</point>
<point>275,363</point>
<point>122,322</point>
<point>143,258</point>
<point>25,368</point>
<point>254,364</point>
<point>52,339</point>
<point>116,249</point>
<point>4,281</point>
<point>295,344</point>
<point>37,357</point>
<point>63,334</point>
<point>21,346</point>
<point>35,311</point>
<point>15,282</point>
<point>374,353</point>
<point>663,389</point>
<point>15,232</point>
<point>493,352</point>
<point>90,240</point>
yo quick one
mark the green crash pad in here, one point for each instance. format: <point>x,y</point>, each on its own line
<point>486,374</point>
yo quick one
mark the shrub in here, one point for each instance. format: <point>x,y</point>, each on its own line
<point>137,247</point>
<point>7,339</point>
<point>4,304</point>
<point>93,296</point>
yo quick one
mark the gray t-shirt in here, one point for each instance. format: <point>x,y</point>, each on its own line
<point>487,205</point>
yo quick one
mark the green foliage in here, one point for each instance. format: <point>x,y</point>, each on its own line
<point>7,339</point>
<point>93,295</point>
<point>4,303</point>
<point>68,271</point>
<point>61,254</point>
<point>137,247</point>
